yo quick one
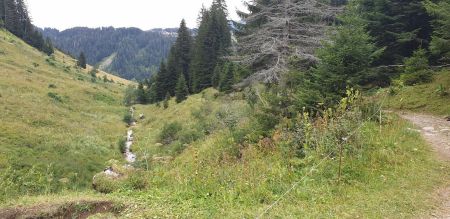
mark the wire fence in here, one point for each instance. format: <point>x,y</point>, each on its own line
<point>344,140</point>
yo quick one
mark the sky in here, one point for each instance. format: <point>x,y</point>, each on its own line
<point>144,14</point>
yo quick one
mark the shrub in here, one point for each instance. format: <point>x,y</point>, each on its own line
<point>55,97</point>
<point>169,133</point>
<point>128,118</point>
<point>104,184</point>
<point>137,181</point>
<point>122,145</point>
<point>417,69</point>
<point>441,91</point>
<point>415,78</point>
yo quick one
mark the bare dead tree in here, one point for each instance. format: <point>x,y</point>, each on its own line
<point>286,29</point>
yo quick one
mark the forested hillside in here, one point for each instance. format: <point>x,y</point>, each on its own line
<point>128,52</point>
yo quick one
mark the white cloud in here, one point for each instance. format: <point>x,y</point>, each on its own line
<point>144,14</point>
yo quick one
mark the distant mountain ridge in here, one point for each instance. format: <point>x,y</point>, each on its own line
<point>130,53</point>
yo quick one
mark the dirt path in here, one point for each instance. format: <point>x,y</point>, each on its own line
<point>437,132</point>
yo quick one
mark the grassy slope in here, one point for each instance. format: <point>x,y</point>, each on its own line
<point>394,175</point>
<point>74,134</point>
<point>424,98</point>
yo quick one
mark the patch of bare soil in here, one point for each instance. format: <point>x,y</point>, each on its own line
<point>80,210</point>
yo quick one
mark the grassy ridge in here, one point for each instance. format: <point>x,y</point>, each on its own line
<point>433,98</point>
<point>57,127</point>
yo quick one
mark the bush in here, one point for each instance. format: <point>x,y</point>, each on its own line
<point>169,133</point>
<point>137,181</point>
<point>55,97</point>
<point>104,184</point>
<point>122,145</point>
<point>416,69</point>
<point>419,77</point>
<point>128,118</point>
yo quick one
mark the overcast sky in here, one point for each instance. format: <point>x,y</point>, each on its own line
<point>144,14</point>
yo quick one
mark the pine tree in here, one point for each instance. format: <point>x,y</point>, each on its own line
<point>2,13</point>
<point>161,82</point>
<point>182,90</point>
<point>82,61</point>
<point>216,75</point>
<point>227,78</point>
<point>400,26</point>
<point>48,47</point>
<point>212,42</point>
<point>184,48</point>
<point>440,44</point>
<point>141,94</point>
<point>166,101</point>
<point>346,59</point>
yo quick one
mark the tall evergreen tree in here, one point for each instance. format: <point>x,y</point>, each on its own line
<point>48,47</point>
<point>402,26</point>
<point>212,42</point>
<point>184,47</point>
<point>182,90</point>
<point>227,78</point>
<point>346,59</point>
<point>161,82</point>
<point>2,13</point>
<point>82,61</point>
<point>440,44</point>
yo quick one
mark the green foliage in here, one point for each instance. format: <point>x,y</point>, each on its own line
<point>134,53</point>
<point>128,118</point>
<point>441,90</point>
<point>346,59</point>
<point>130,95</point>
<point>417,69</point>
<point>169,132</point>
<point>182,90</point>
<point>227,78</point>
<point>399,26</point>
<point>122,145</point>
<point>166,101</point>
<point>55,97</point>
<point>212,42</point>
<point>440,44</point>
<point>82,61</point>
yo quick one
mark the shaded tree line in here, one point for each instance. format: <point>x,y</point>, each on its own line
<point>196,63</point>
<point>14,17</point>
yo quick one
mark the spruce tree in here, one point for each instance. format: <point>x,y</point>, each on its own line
<point>161,82</point>
<point>2,13</point>
<point>48,47</point>
<point>212,42</point>
<point>400,26</point>
<point>184,48</point>
<point>182,90</point>
<point>166,101</point>
<point>82,61</point>
<point>440,44</point>
<point>346,59</point>
<point>227,78</point>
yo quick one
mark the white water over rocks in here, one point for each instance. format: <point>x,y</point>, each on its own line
<point>129,156</point>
